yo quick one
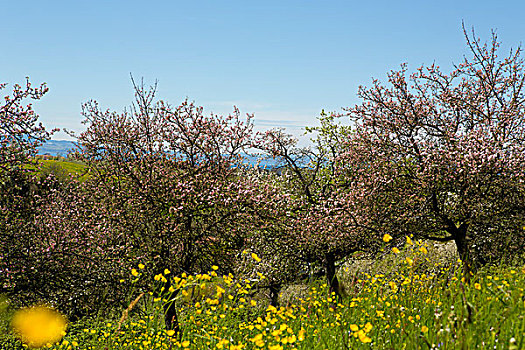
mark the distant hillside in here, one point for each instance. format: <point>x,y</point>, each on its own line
<point>56,147</point>
<point>62,148</point>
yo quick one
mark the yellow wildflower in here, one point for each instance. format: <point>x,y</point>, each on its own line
<point>363,337</point>
<point>258,340</point>
<point>301,334</point>
<point>39,325</point>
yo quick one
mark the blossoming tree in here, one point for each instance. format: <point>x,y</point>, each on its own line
<point>20,132</point>
<point>442,155</point>
<point>171,179</point>
<point>20,135</point>
<point>321,225</point>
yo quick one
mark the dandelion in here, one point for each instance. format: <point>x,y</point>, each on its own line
<point>424,329</point>
<point>477,286</point>
<point>387,238</point>
<point>39,325</point>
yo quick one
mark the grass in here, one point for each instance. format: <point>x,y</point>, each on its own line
<point>416,304</point>
<point>69,166</point>
<point>59,167</point>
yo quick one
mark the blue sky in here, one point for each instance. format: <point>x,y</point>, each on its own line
<point>283,60</point>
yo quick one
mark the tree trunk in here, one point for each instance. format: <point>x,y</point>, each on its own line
<point>333,281</point>
<point>170,317</point>
<point>274,295</point>
<point>170,314</point>
<point>170,310</point>
<point>460,238</point>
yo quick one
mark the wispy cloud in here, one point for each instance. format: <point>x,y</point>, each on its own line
<point>278,122</point>
<point>247,106</point>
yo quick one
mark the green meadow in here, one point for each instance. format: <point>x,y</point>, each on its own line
<point>412,302</point>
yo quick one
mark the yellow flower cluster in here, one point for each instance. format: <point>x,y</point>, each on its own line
<point>222,312</point>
